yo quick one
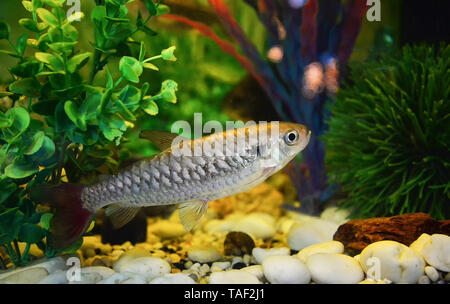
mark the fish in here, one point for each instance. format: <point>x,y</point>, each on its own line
<point>188,172</point>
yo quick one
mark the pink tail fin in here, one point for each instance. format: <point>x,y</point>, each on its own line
<point>70,219</point>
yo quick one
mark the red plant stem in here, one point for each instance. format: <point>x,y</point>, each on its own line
<point>308,30</point>
<point>226,46</point>
<point>351,29</point>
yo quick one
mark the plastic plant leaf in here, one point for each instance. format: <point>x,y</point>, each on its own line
<point>4,30</point>
<point>74,115</point>
<point>62,47</point>
<point>167,54</point>
<point>78,61</point>
<point>46,151</point>
<point>28,5</point>
<point>27,86</point>
<point>27,69</point>
<point>150,66</point>
<point>21,168</point>
<point>29,24</point>
<point>142,52</point>
<point>20,122</point>
<point>56,63</point>
<point>36,143</point>
<point>47,17</point>
<point>129,94</point>
<point>162,9</point>
<point>30,233</point>
<point>130,68</point>
<point>45,220</point>
<point>150,107</point>
<point>21,43</point>
<point>151,7</point>
<point>7,189</point>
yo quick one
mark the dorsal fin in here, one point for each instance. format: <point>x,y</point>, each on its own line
<point>119,215</point>
<point>163,140</point>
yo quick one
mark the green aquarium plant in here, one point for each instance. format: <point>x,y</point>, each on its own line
<point>389,138</point>
<point>59,123</point>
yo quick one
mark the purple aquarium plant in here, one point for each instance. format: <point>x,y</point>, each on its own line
<point>309,41</point>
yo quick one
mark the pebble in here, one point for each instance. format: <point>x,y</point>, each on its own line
<point>258,225</point>
<point>335,214</point>
<point>92,275</point>
<point>173,278</point>
<point>393,261</point>
<point>233,277</point>
<point>219,266</point>
<point>166,229</point>
<point>284,269</point>
<point>238,243</point>
<point>129,256</point>
<point>149,267</point>
<point>256,270</point>
<point>204,254</point>
<point>124,278</point>
<point>33,273</point>
<point>432,273</point>
<point>204,269</point>
<point>261,253</point>
<point>58,277</point>
<point>435,249</point>
<point>28,276</point>
<point>310,232</point>
<point>325,247</point>
<point>424,280</point>
<point>334,268</point>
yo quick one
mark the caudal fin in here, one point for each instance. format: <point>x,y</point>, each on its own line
<point>70,219</point>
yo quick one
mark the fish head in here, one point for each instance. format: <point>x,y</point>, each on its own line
<point>287,140</point>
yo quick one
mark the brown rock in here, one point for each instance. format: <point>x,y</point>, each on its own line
<point>238,243</point>
<point>405,229</point>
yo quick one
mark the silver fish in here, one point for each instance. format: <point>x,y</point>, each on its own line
<point>189,173</point>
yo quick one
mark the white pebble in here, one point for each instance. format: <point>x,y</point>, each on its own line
<point>149,267</point>
<point>333,268</point>
<point>393,261</point>
<point>310,232</point>
<point>233,277</point>
<point>246,259</point>
<point>261,253</point>
<point>424,280</point>
<point>173,278</point>
<point>432,273</point>
<point>260,226</point>
<point>204,254</point>
<point>218,266</point>
<point>325,247</point>
<point>435,249</point>
<point>255,270</point>
<point>124,278</point>
<point>204,269</point>
<point>282,269</point>
<point>92,275</point>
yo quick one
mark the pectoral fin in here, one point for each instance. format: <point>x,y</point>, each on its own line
<point>191,213</point>
<point>120,215</point>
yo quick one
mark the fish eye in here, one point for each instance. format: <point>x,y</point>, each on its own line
<point>291,137</point>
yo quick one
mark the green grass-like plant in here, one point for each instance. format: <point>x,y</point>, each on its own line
<point>388,143</point>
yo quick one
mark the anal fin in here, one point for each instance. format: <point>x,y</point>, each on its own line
<point>120,215</point>
<point>191,213</point>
